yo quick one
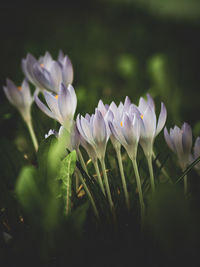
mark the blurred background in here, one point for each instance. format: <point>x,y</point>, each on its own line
<point>117,47</point>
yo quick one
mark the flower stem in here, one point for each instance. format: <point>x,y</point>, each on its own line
<point>107,184</point>
<point>163,169</point>
<point>185,185</point>
<point>119,158</point>
<point>82,161</point>
<point>32,134</point>
<point>88,193</point>
<point>149,160</point>
<point>137,176</point>
<point>99,176</point>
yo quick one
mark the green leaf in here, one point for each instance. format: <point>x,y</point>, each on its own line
<point>26,189</point>
<point>66,170</point>
<point>44,150</point>
<point>188,169</point>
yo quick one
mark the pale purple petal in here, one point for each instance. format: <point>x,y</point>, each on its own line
<point>6,91</point>
<point>43,107</point>
<point>101,108</point>
<point>43,77</point>
<point>56,75</point>
<point>15,94</point>
<point>162,119</point>
<point>186,137</point>
<point>150,101</point>
<point>127,103</point>
<point>116,130</point>
<point>26,93</point>
<point>27,67</point>
<point>99,128</point>
<point>168,140</point>
<point>46,60</point>
<point>197,148</point>
<point>176,137</point>
<point>67,71</point>
<point>142,105</point>
<point>149,119</point>
<point>52,102</point>
<point>67,101</point>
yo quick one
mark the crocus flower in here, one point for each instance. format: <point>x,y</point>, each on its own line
<point>47,73</point>
<point>180,142</point>
<point>74,140</point>
<point>196,153</point>
<point>117,114</point>
<point>93,130</point>
<point>127,132</point>
<point>150,128</point>
<point>61,107</point>
<point>20,97</point>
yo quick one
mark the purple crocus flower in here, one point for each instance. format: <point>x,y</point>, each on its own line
<point>150,128</point>
<point>127,132</point>
<point>20,97</point>
<point>93,131</point>
<point>196,153</point>
<point>74,140</point>
<point>61,106</point>
<point>180,142</point>
<point>47,73</point>
<point>113,112</point>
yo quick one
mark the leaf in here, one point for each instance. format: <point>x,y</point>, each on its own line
<point>43,156</point>
<point>188,169</point>
<point>78,217</point>
<point>66,170</point>
<point>26,189</point>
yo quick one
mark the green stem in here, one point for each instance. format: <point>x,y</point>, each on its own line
<point>137,176</point>
<point>163,169</point>
<point>99,176</point>
<point>149,160</point>
<point>88,193</point>
<point>82,161</point>
<point>32,134</point>
<point>119,158</point>
<point>76,181</point>
<point>185,185</point>
<point>107,185</point>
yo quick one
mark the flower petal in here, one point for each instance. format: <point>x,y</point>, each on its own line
<point>43,77</point>
<point>67,101</point>
<point>56,75</point>
<point>52,102</point>
<point>162,119</point>
<point>149,119</point>
<point>197,148</point>
<point>186,137</point>
<point>43,107</point>
<point>67,71</point>
<point>99,128</point>
<point>168,140</point>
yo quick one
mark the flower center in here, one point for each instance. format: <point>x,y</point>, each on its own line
<point>121,123</point>
<point>42,65</point>
<point>141,116</point>
<point>56,96</point>
<point>19,88</point>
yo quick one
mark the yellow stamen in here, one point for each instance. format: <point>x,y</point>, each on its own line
<point>141,116</point>
<point>56,96</point>
<point>19,88</point>
<point>121,123</point>
<point>42,65</point>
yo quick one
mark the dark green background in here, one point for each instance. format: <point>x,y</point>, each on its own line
<point>117,48</point>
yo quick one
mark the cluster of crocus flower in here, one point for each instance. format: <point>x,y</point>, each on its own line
<point>126,125</point>
<point>179,141</point>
